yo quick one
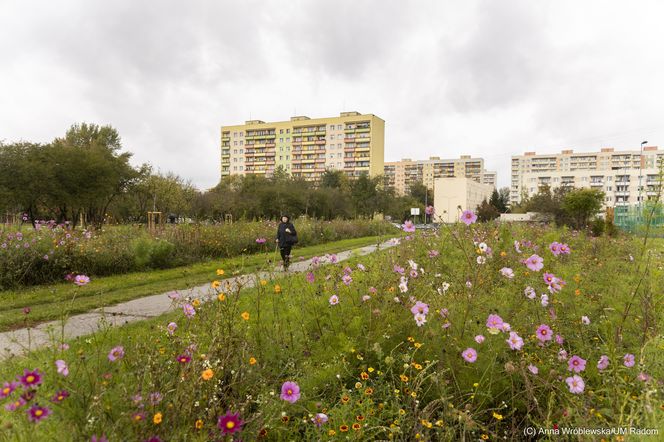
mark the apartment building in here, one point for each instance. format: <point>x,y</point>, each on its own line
<point>626,176</point>
<point>305,147</point>
<point>454,195</point>
<point>402,174</point>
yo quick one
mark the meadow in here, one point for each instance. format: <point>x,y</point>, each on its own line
<point>51,252</point>
<point>470,332</point>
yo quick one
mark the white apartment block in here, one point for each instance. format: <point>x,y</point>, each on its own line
<point>452,196</point>
<point>626,177</point>
<point>400,175</point>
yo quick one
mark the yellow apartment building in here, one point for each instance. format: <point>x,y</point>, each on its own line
<point>305,147</point>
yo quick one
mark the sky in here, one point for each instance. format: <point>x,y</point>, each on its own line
<point>480,77</point>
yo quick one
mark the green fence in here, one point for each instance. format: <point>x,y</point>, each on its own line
<point>635,219</point>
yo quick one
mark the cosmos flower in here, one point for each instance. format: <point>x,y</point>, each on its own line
<point>468,217</point>
<point>183,358</point>
<point>420,319</point>
<point>507,272</point>
<point>576,364</point>
<point>494,322</point>
<point>230,423</point>
<point>479,339</point>
<point>420,308</point>
<point>555,248</point>
<point>290,392</point>
<point>7,389</point>
<point>171,327</point>
<point>533,369</point>
<point>408,227</point>
<point>346,279</point>
<point>319,419</point>
<point>261,240</point>
<point>61,367</point>
<point>81,280</point>
<point>535,263</point>
<point>469,355</point>
<point>37,413</point>
<point>30,378</point>
<point>603,362</point>
<point>116,353</point>
<point>60,396</point>
<point>544,333</point>
<point>480,260</point>
<point>575,384</point>
<point>334,300</point>
<point>529,292</point>
<point>189,310</point>
<point>628,360</point>
<point>515,341</point>
<point>585,320</point>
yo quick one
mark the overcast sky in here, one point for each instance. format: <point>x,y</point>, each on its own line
<point>488,78</point>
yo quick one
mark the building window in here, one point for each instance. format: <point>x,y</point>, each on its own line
<point>234,167</point>
<point>241,150</point>
<point>338,146</point>
<point>281,140</point>
<point>281,131</point>
<point>234,134</point>
<point>339,127</point>
<point>281,157</point>
<point>281,149</point>
<point>331,137</point>
<point>331,126</point>
<point>241,167</point>
<point>234,143</point>
<point>287,131</point>
<point>235,151</point>
<point>241,143</point>
<point>241,134</point>
<point>288,157</point>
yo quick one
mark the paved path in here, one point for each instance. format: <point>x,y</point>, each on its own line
<point>24,340</point>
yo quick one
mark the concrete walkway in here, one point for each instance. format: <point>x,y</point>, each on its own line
<point>24,340</point>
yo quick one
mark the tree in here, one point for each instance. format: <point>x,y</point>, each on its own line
<point>487,211</point>
<point>582,204</point>
<point>422,194</point>
<point>500,199</point>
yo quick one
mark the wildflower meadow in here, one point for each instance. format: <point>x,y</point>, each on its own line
<point>466,332</point>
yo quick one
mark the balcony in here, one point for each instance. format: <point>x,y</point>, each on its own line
<point>349,140</point>
<point>319,142</point>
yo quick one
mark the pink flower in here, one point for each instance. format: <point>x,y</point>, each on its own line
<point>334,300</point>
<point>562,355</point>
<point>559,340</point>
<point>7,389</point>
<point>535,263</point>
<point>644,377</point>
<point>61,367</point>
<point>575,384</point>
<point>310,277</point>
<point>628,360</point>
<point>564,249</point>
<point>315,261</point>
<point>189,310</point>
<point>585,320</point>
<point>171,327</point>
<point>507,272</point>
<point>603,362</point>
<point>544,299</point>
<point>576,364</point>
<point>333,258</point>
<point>555,248</point>
<point>533,369</point>
<point>515,341</point>
<point>290,392</point>
<point>30,378</point>
<point>433,253</point>
<point>15,405</point>
<point>319,419</point>
<point>261,240</point>
<point>420,319</point>
<point>346,279</point>
<point>398,269</point>
<point>468,217</point>
<point>116,353</point>
<point>365,298</point>
<point>420,308</point>
<point>81,280</point>
<point>37,413</point>
<point>530,292</point>
<point>230,423</point>
<point>408,226</point>
<point>544,333</point>
<point>429,210</point>
<point>469,354</point>
<point>494,322</point>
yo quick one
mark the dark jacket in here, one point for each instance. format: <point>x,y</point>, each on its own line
<point>286,238</point>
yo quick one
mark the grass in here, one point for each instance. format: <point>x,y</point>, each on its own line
<point>51,302</point>
<point>420,387</point>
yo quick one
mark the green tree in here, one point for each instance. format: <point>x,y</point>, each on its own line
<point>487,211</point>
<point>582,204</point>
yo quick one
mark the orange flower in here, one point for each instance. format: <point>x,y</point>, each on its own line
<point>364,375</point>
<point>252,360</point>
<point>198,424</point>
<point>157,418</point>
<point>343,428</point>
<point>368,391</point>
<point>220,272</point>
<point>277,288</point>
<point>207,374</point>
<point>221,297</point>
<point>245,316</point>
<point>216,284</point>
<point>356,426</point>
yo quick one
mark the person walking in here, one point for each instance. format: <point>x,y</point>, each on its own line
<point>286,238</point>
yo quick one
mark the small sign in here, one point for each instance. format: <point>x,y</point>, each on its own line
<point>414,210</point>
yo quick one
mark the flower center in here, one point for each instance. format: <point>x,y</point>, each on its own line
<point>30,378</point>
<point>289,392</point>
<point>38,413</point>
<point>230,424</point>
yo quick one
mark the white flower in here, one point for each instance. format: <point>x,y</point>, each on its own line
<point>481,259</point>
<point>585,320</point>
<point>545,300</point>
<point>483,246</point>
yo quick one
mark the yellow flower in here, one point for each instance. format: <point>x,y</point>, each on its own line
<point>413,394</point>
<point>439,423</point>
<point>370,369</point>
<point>503,254</point>
<point>418,367</point>
<point>485,437</point>
<point>245,316</point>
<point>252,360</point>
<point>221,297</point>
<point>418,344</point>
<point>403,378</point>
<point>498,416</point>
<point>198,424</point>
<point>364,375</point>
<point>331,432</point>
<point>220,272</point>
<point>207,374</point>
<point>402,411</point>
<point>411,339</point>
<point>277,288</point>
<point>216,284</point>
<point>358,385</point>
<point>263,282</point>
<point>476,385</point>
<point>368,391</point>
<point>157,418</point>
<point>577,292</point>
<point>343,428</point>
<point>196,302</point>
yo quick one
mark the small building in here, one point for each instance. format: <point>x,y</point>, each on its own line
<point>451,196</point>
